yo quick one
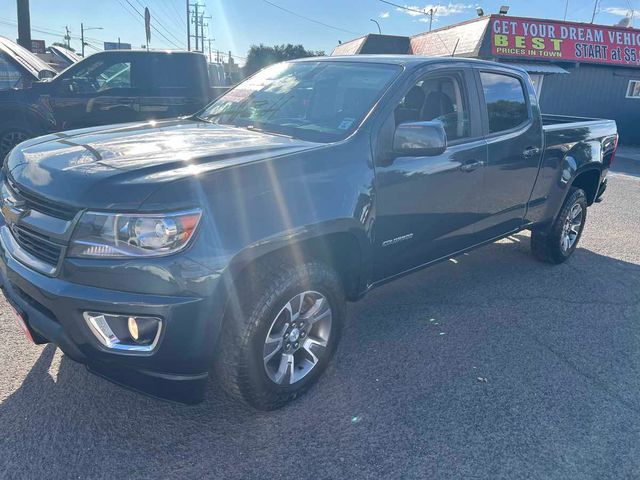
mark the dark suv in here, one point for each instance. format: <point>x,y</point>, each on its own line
<point>105,88</point>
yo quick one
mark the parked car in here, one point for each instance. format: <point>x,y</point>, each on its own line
<point>154,252</point>
<point>59,58</point>
<point>19,68</point>
<point>106,88</point>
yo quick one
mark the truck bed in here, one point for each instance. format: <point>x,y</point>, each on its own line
<point>556,122</point>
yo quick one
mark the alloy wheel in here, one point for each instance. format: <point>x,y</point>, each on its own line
<point>298,336</point>
<point>571,228</point>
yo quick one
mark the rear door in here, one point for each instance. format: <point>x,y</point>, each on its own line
<point>175,85</point>
<point>513,131</point>
<point>427,207</point>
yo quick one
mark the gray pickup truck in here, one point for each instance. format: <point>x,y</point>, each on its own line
<point>229,241</point>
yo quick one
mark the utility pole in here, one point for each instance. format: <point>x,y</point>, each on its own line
<point>432,12</point>
<point>67,37</point>
<point>202,27</point>
<point>188,28</point>
<point>210,41</point>
<point>24,24</point>
<point>196,22</point>
<point>595,10</point>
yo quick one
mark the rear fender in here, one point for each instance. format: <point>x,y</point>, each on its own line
<point>561,166</point>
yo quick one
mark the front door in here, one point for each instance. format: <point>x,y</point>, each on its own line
<point>427,207</point>
<point>102,91</point>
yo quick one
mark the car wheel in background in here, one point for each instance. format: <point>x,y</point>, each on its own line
<point>11,134</point>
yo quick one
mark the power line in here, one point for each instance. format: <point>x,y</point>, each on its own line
<point>157,21</point>
<point>152,25</point>
<point>424,12</point>
<point>54,33</point>
<point>171,18</point>
<point>309,19</point>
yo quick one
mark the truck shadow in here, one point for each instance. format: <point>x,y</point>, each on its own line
<point>62,420</point>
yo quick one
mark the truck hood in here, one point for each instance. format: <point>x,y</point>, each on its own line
<point>121,165</point>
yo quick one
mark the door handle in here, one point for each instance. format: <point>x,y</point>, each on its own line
<point>531,152</point>
<point>471,165</point>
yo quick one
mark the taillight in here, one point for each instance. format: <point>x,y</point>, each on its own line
<point>613,154</point>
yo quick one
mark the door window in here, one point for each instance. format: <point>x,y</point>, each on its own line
<point>437,98</point>
<point>100,76</point>
<point>505,99</point>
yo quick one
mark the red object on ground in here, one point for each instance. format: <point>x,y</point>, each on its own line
<point>22,324</point>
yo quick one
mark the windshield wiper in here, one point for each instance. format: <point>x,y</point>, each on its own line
<point>268,132</point>
<point>197,117</point>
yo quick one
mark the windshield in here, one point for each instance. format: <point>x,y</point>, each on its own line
<point>317,101</point>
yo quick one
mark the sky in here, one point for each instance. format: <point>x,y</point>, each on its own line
<point>237,24</point>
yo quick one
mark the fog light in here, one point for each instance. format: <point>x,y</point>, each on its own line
<point>124,332</point>
<point>133,328</point>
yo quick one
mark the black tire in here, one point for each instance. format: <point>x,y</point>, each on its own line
<point>11,134</point>
<point>263,293</point>
<point>547,244</point>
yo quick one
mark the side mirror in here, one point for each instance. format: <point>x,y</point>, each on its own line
<point>45,74</point>
<point>419,139</point>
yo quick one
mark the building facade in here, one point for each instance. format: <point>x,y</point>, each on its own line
<point>577,69</point>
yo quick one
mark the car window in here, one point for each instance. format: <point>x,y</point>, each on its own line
<point>10,75</point>
<point>437,98</point>
<point>101,75</point>
<point>117,75</point>
<point>505,99</point>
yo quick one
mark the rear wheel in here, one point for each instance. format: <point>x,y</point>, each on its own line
<point>556,243</point>
<point>283,335</point>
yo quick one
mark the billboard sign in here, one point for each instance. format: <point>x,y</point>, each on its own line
<point>564,41</point>
<point>38,46</point>
<point>117,46</point>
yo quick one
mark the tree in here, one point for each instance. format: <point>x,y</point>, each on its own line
<point>63,45</point>
<point>260,56</point>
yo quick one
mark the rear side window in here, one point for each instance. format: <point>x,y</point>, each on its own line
<point>506,104</point>
<point>10,75</point>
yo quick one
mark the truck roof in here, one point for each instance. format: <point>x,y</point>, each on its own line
<point>406,60</point>
<point>148,52</point>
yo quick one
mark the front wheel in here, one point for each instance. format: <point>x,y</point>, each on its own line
<point>282,336</point>
<point>11,135</point>
<point>556,243</point>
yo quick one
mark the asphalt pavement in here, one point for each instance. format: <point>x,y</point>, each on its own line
<point>490,366</point>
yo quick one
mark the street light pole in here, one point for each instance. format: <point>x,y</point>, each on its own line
<point>376,22</point>
<point>82,30</point>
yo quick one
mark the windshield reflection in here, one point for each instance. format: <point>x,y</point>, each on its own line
<point>319,101</point>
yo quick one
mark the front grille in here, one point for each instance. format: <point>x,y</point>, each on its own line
<point>42,205</point>
<point>37,245</point>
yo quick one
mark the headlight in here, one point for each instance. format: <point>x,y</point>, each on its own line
<point>144,235</point>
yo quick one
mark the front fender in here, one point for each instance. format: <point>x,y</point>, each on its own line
<point>28,107</point>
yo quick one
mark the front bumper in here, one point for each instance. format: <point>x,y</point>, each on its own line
<point>52,309</point>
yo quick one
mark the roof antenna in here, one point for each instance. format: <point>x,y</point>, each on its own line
<point>456,47</point>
